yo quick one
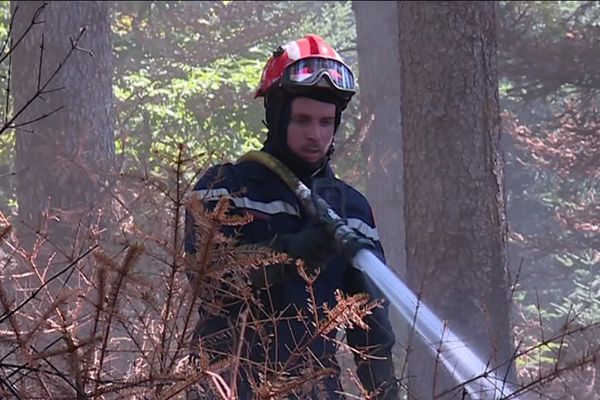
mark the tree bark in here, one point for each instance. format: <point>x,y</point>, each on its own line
<point>455,206</point>
<point>63,161</point>
<point>379,67</point>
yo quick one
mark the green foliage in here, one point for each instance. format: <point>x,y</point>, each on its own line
<point>584,301</point>
<point>543,355</point>
<point>195,108</point>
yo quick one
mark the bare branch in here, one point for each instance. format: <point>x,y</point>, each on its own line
<point>35,293</point>
<point>34,21</point>
<point>45,115</point>
<point>39,77</point>
<point>42,88</point>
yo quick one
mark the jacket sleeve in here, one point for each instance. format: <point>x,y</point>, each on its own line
<point>376,372</point>
<point>216,182</point>
<point>219,181</point>
<point>211,332</point>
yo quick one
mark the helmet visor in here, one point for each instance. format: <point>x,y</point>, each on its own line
<point>307,72</point>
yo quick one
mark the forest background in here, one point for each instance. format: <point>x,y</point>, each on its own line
<point>170,91</point>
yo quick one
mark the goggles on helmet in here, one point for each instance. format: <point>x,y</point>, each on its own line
<point>308,72</point>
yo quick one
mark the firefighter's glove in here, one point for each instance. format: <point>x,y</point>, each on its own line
<point>314,244</point>
<point>353,241</point>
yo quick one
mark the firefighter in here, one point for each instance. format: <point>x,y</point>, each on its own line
<point>306,86</point>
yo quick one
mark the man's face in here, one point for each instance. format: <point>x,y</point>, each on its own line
<point>311,128</point>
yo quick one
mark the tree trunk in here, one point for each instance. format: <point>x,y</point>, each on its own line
<point>63,160</point>
<point>379,67</point>
<point>455,206</point>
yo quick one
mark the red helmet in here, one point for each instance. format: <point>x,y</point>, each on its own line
<point>304,64</point>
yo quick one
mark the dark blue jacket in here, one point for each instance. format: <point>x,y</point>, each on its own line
<point>257,190</point>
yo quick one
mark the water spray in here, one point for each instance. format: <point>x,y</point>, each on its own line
<point>468,370</point>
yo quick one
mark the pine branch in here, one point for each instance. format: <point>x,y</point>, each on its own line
<point>114,294</point>
<point>8,314</point>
